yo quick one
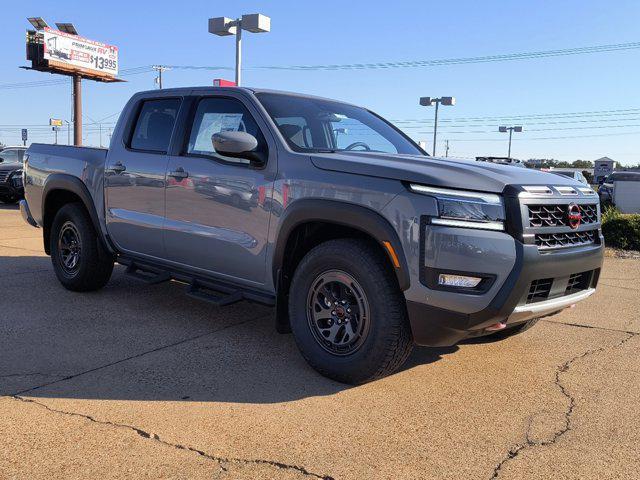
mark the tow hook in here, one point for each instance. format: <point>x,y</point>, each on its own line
<point>495,327</point>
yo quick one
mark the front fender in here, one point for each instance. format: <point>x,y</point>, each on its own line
<point>351,215</point>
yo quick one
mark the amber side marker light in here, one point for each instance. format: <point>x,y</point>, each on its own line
<point>392,254</point>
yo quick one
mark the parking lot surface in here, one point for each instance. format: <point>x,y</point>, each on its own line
<point>141,381</point>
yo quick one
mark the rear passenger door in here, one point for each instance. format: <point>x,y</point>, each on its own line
<point>217,216</point>
<point>135,178</point>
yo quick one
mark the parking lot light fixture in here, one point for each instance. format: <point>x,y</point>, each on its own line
<point>254,23</point>
<point>427,102</point>
<point>505,129</point>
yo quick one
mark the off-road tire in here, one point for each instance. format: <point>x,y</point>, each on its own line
<point>94,265</point>
<point>388,342</point>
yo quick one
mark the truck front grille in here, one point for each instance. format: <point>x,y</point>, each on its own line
<point>4,176</point>
<point>548,241</point>
<point>556,215</point>
<point>539,290</point>
<point>578,282</point>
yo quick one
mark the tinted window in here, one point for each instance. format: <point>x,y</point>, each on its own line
<point>155,124</point>
<point>11,156</point>
<point>216,115</point>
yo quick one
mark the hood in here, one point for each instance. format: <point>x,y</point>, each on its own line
<point>10,167</point>
<point>437,171</point>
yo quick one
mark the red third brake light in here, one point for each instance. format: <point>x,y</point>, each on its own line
<point>221,82</point>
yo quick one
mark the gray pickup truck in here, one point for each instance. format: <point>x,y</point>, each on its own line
<point>363,243</point>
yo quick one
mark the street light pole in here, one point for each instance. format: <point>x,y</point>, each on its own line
<point>223,26</point>
<point>427,102</point>
<point>435,128</point>
<point>238,52</point>
<point>504,129</point>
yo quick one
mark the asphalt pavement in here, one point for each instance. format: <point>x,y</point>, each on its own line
<point>140,381</point>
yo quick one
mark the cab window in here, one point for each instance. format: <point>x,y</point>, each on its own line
<point>215,115</point>
<point>153,128</point>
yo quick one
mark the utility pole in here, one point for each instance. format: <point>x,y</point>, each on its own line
<point>68,132</point>
<point>160,69</point>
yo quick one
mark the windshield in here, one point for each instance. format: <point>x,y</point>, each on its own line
<point>313,125</point>
<point>11,155</point>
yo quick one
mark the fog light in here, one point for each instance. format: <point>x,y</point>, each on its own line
<point>461,281</point>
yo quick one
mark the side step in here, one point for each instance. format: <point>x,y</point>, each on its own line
<point>210,290</point>
<point>150,277</point>
<point>202,292</point>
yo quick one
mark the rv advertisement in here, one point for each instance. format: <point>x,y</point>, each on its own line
<point>79,52</point>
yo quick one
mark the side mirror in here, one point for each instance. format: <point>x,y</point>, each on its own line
<point>237,145</point>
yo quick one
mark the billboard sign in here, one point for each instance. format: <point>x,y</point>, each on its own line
<point>55,122</point>
<point>74,53</point>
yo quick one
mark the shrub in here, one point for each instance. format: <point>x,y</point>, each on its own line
<point>621,230</point>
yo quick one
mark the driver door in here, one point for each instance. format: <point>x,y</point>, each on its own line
<point>215,220</point>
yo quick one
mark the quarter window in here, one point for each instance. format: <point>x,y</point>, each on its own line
<point>155,124</point>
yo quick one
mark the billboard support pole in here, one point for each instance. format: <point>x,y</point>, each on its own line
<point>77,110</point>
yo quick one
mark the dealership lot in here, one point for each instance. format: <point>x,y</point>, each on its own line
<point>142,381</point>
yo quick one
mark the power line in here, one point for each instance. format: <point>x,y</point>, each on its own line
<point>437,62</point>
<point>62,81</point>
<point>523,139</point>
<point>463,60</point>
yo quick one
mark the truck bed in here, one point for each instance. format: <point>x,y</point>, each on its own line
<point>84,163</point>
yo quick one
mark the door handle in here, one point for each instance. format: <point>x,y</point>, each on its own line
<point>179,173</point>
<point>118,167</point>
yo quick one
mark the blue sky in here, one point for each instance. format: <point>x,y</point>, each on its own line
<point>339,32</point>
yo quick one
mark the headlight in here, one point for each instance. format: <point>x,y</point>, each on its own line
<point>16,178</point>
<point>463,208</point>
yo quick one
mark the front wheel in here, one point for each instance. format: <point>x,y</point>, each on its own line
<point>9,200</point>
<point>347,313</point>
<point>80,261</point>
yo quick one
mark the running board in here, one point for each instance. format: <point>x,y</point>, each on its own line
<point>219,299</point>
<point>214,291</point>
<point>150,277</point>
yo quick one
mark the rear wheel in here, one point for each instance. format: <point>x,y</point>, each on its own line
<point>80,261</point>
<point>347,313</point>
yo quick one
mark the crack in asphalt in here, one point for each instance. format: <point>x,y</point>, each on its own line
<point>223,462</point>
<point>618,286</point>
<point>529,443</point>
<point>594,327</point>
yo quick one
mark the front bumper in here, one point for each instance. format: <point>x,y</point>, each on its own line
<point>8,189</point>
<point>26,214</point>
<point>433,326</point>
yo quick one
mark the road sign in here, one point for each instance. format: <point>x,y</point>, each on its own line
<point>55,122</point>
<point>24,134</point>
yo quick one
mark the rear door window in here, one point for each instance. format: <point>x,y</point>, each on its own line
<point>154,126</point>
